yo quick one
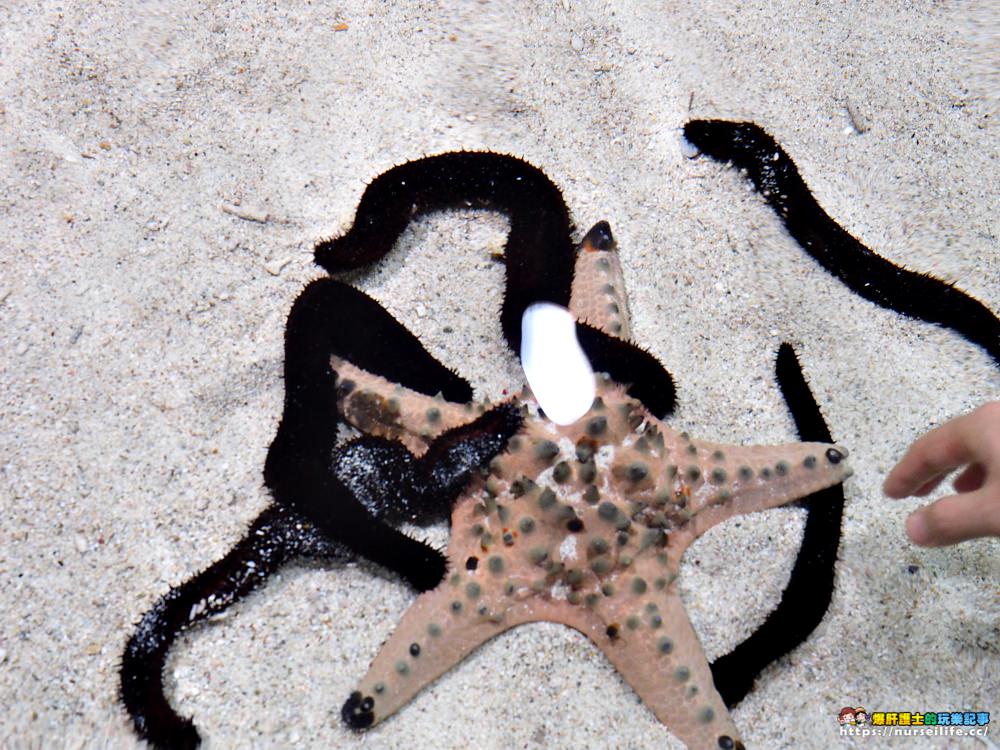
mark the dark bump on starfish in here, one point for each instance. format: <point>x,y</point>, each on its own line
<point>517,488</point>
<point>434,416</point>
<point>637,471</point>
<point>496,467</point>
<point>354,715</point>
<point>526,525</point>
<point>608,589</point>
<point>414,650</point>
<point>612,631</point>
<point>402,668</point>
<point>473,590</point>
<point>561,472</point>
<point>344,387</point>
<point>587,472</point>
<point>655,621</point>
<point>456,578</point>
<point>638,586</point>
<point>591,494</point>
<point>477,529</point>
<point>765,473</point>
<point>834,456</point>
<point>434,630</point>
<point>613,308</point>
<point>598,404</point>
<point>692,449</point>
<point>574,577</point>
<point>538,555</point>
<point>546,499</point>
<point>575,525</point>
<point>642,445</point>
<point>632,622</point>
<point>660,583</point>
<point>599,237</point>
<point>456,606</point>
<point>719,475</point>
<point>809,462</point>
<point>781,468</point>
<point>693,473</point>
<point>682,674</point>
<point>607,510</point>
<point>745,473</point>
<point>718,455</point>
<point>622,538</point>
<point>664,645</point>
<point>584,450</point>
<point>598,546</point>
<point>601,566</point>
<point>503,513</point>
<point>597,426</point>
<point>546,450</point>
<point>495,564</point>
<point>472,563</point>
<point>706,715</point>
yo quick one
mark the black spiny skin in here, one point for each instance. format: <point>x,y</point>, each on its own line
<point>807,596</point>
<point>773,173</point>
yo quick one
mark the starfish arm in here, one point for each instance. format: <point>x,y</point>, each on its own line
<point>376,406</point>
<point>656,651</point>
<point>722,481</point>
<point>598,293</point>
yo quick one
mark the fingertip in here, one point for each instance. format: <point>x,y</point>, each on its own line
<point>917,529</point>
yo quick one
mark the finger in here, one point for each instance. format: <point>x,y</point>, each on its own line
<point>956,518</point>
<point>971,478</point>
<point>939,451</point>
<point>929,486</point>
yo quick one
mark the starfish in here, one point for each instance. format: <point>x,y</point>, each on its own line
<point>583,524</point>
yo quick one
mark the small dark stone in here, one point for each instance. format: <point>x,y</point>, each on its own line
<point>834,456</point>
<point>472,563</point>
<point>414,649</point>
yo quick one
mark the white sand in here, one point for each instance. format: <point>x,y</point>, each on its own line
<point>141,328</point>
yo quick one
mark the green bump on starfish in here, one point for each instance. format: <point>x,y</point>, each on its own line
<point>587,472</point>
<point>638,585</point>
<point>601,566</point>
<point>664,645</point>
<point>632,622</point>
<point>433,415</point>
<point>719,475</point>
<point>584,451</point>
<point>538,555</point>
<point>682,674</point>
<point>526,525</point>
<point>745,473</point>
<point>433,630</point>
<point>561,472</point>
<point>598,545</point>
<point>781,468</point>
<point>546,450</point>
<point>706,714</point>
<point>495,564</point>
<point>591,494</point>
<point>547,499</point>
<point>607,510</point>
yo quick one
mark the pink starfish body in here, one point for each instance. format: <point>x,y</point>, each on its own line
<point>583,525</point>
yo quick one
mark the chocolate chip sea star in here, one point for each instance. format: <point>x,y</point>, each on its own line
<point>583,525</point>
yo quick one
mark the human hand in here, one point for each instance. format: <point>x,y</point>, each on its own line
<point>971,441</point>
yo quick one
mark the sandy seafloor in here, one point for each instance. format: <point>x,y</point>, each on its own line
<point>141,327</point>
